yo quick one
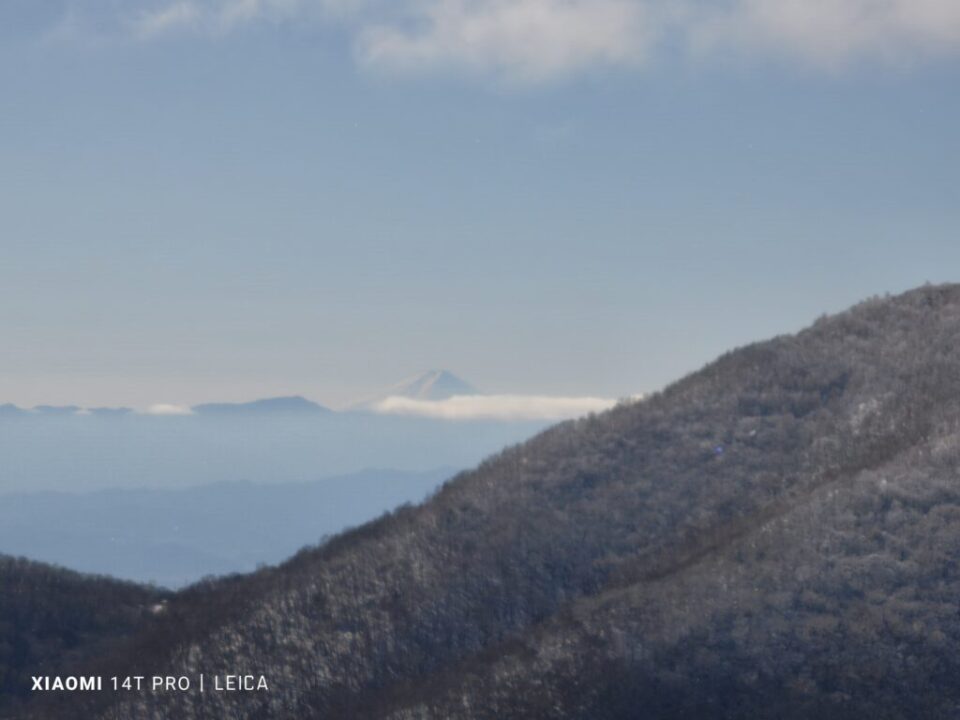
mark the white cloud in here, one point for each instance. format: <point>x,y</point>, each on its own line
<point>528,40</point>
<point>179,15</point>
<point>833,33</point>
<point>166,409</point>
<point>495,407</point>
<point>537,40</point>
<point>217,17</point>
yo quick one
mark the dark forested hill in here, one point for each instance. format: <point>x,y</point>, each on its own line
<point>774,536</point>
<point>51,618</point>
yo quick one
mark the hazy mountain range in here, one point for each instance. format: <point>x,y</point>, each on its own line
<point>774,536</point>
<point>435,394</point>
<point>174,537</point>
<point>267,441</point>
<point>432,385</point>
<point>278,406</point>
<point>172,497</point>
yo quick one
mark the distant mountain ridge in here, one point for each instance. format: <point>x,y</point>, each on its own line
<point>290,405</point>
<point>430,385</point>
<point>57,409</point>
<point>173,537</point>
<point>262,442</point>
<point>110,411</point>
<point>11,410</point>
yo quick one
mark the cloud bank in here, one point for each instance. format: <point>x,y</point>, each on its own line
<point>537,40</point>
<point>495,407</point>
<point>166,409</point>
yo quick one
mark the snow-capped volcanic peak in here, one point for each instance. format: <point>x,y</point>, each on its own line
<point>433,385</point>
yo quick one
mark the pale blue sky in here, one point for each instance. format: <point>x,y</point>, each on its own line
<point>226,199</point>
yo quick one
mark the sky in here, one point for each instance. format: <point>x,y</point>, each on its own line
<point>214,200</point>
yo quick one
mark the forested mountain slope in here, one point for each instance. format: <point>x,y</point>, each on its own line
<point>773,536</point>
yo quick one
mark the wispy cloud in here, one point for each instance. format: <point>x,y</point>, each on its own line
<point>541,40</point>
<point>219,17</point>
<point>495,407</point>
<point>529,40</point>
<point>177,16</point>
